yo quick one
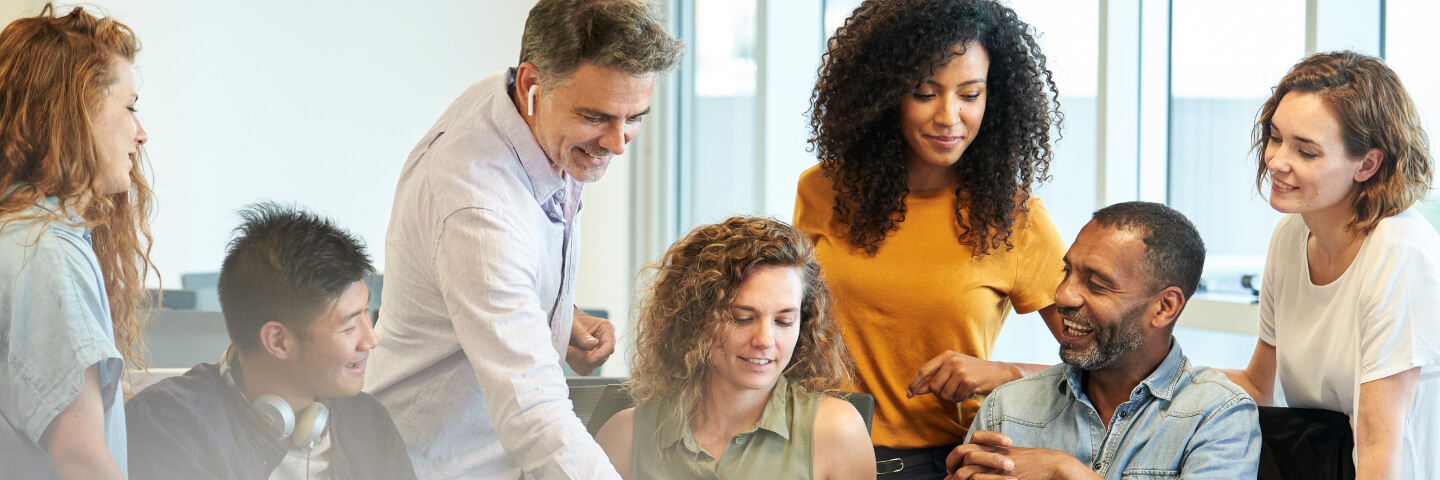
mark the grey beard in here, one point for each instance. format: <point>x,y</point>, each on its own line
<point>1111,342</point>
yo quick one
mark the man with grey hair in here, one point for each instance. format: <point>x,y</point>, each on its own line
<point>483,246</point>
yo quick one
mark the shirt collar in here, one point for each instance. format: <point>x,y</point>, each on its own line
<point>1161,382</point>
<point>69,219</point>
<point>547,183</point>
<point>775,419</point>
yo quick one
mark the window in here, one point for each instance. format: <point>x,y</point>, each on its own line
<point>1218,81</point>
<point>1410,41</point>
<point>1068,32</point>
<point>718,115</point>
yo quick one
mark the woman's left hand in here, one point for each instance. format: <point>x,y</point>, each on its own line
<point>954,376</point>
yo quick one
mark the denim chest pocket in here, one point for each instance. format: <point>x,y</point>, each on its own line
<point>1159,443</point>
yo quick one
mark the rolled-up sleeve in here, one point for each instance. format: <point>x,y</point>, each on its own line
<point>488,275</point>
<point>58,325</point>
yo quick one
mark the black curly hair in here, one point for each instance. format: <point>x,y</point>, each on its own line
<point>884,51</point>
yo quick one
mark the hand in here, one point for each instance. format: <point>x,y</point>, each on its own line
<point>955,377</point>
<point>981,459</point>
<point>592,340</point>
<point>990,456</point>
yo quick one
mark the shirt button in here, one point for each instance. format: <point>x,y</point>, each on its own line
<point>737,440</point>
<point>1096,467</point>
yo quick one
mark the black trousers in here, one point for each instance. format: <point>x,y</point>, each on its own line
<point>912,463</point>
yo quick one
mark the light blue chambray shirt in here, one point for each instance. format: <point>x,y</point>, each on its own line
<point>54,323</point>
<point>1182,421</point>
<point>475,317</point>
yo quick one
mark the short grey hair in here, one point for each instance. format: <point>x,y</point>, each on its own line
<point>624,34</point>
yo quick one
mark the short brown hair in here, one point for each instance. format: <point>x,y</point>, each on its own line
<point>623,34</point>
<point>686,311</point>
<point>1374,112</point>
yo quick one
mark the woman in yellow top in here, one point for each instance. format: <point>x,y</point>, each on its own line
<point>735,355</point>
<point>931,119</point>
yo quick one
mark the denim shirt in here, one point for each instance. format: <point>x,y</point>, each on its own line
<point>54,323</point>
<point>1182,421</point>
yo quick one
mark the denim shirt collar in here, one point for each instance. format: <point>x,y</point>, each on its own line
<point>547,184</point>
<point>1161,383</point>
<point>775,419</point>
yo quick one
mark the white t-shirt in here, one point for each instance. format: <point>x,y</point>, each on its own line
<point>1380,318</point>
<point>297,462</point>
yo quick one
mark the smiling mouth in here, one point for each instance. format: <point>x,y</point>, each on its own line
<point>945,142</point>
<point>1075,329</point>
<point>1279,185</point>
<point>593,159</point>
<point>758,361</point>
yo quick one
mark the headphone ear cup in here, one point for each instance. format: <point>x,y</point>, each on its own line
<point>310,426</point>
<point>276,413</point>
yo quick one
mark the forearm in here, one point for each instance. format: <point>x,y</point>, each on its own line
<point>1238,376</point>
<point>1024,369</point>
<point>75,439</point>
<point>86,467</point>
<point>1380,424</point>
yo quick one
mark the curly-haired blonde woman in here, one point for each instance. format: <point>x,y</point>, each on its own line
<point>74,243</point>
<point>735,358</point>
<point>932,121</point>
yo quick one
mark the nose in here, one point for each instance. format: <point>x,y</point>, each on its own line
<point>140,136</point>
<point>763,337</point>
<point>1065,294</point>
<point>949,112</point>
<point>368,339</point>
<point>615,137</point>
<point>1276,160</point>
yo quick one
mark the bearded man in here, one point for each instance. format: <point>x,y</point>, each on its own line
<point>1126,402</point>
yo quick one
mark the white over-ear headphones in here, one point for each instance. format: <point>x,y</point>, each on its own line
<point>530,102</point>
<point>301,433</point>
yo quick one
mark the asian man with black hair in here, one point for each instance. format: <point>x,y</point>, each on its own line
<point>284,402</point>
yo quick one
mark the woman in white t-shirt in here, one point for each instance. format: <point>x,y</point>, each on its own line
<point>1351,290</point>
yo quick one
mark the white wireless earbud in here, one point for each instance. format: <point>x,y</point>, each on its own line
<point>530,102</point>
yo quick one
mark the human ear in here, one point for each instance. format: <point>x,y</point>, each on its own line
<point>1369,164</point>
<point>276,339</point>
<point>1167,307</point>
<point>527,82</point>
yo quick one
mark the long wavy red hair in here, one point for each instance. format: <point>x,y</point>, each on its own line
<point>54,73</point>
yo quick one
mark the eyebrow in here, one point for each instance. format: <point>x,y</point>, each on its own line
<point>981,81</point>
<point>752,309</point>
<point>597,113</point>
<point>1274,130</point>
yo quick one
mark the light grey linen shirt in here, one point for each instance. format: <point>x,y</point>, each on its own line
<point>54,323</point>
<point>478,301</point>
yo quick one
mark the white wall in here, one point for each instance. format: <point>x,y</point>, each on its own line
<point>319,103</point>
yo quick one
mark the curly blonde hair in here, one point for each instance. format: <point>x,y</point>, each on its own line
<point>686,312</point>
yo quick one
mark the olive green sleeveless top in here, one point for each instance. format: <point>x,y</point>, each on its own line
<point>781,446</point>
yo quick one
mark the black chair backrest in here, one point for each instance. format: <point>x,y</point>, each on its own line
<point>863,402</point>
<point>1305,443</point>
